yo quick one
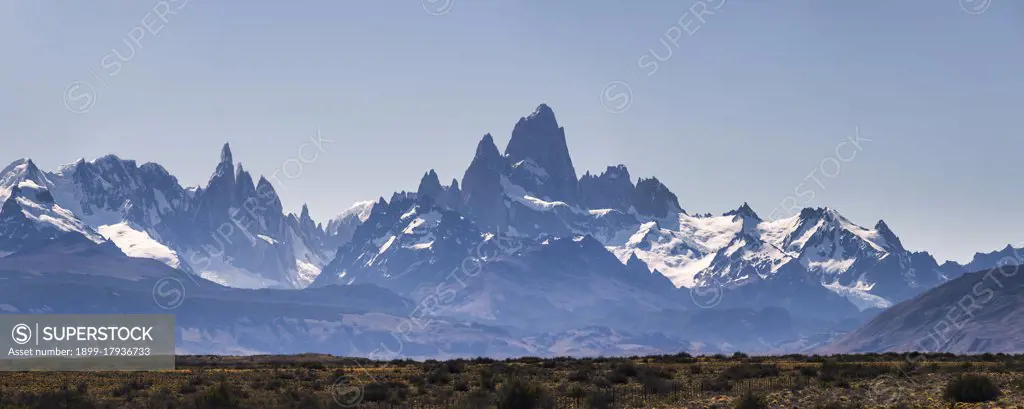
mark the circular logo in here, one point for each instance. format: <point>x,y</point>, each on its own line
<point>707,296</point>
<point>438,7</point>
<point>1009,265</point>
<point>169,293</point>
<point>616,97</point>
<point>345,393</point>
<point>21,334</point>
<point>79,97</point>
<point>975,6</point>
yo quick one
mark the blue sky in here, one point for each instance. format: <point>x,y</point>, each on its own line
<point>744,109</point>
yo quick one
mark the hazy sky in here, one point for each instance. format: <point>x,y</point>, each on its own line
<point>743,110</point>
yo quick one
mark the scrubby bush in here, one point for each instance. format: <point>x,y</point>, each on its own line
<point>580,375</point>
<point>389,391</point>
<point>478,399</point>
<point>748,371</point>
<point>439,375</point>
<point>221,395</point>
<point>600,400</point>
<point>750,400</point>
<point>627,369</point>
<point>808,371</point>
<point>518,393</point>
<point>616,377</point>
<point>972,388</point>
<point>129,388</point>
<point>488,380</point>
<point>62,398</point>
<point>656,381</point>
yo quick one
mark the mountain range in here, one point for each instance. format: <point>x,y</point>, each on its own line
<point>520,257</point>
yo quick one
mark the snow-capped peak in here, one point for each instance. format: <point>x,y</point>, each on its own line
<point>30,215</point>
<point>743,211</point>
<point>229,228</point>
<point>360,210</point>
<point>17,172</point>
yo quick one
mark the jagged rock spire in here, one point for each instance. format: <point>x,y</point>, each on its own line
<point>651,197</point>
<point>218,197</point>
<point>481,186</point>
<point>225,154</point>
<point>486,149</point>
<point>430,186</point>
<point>744,211</point>
<point>244,188</point>
<point>886,233</point>
<point>540,139</point>
<point>612,189</point>
<point>265,190</point>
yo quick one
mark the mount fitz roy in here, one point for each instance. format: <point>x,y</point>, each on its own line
<point>531,194</point>
<point>521,256</point>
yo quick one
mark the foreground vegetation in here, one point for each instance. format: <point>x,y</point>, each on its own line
<point>678,381</point>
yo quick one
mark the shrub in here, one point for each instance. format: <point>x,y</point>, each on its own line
<point>129,388</point>
<point>456,366</point>
<point>188,389</point>
<point>747,371</point>
<point>521,394</point>
<point>478,399</point>
<point>62,398</point>
<point>439,375</point>
<point>972,388</point>
<point>388,391</point>
<point>616,377</point>
<point>162,398</point>
<point>656,381</point>
<point>219,396</point>
<point>829,370</point>
<point>600,399</point>
<point>656,372</point>
<point>749,400</point>
<point>580,375</point>
<point>627,369</point>
<point>575,391</point>
<point>488,380</point>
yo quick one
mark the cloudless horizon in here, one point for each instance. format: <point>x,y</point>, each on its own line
<point>744,109</point>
